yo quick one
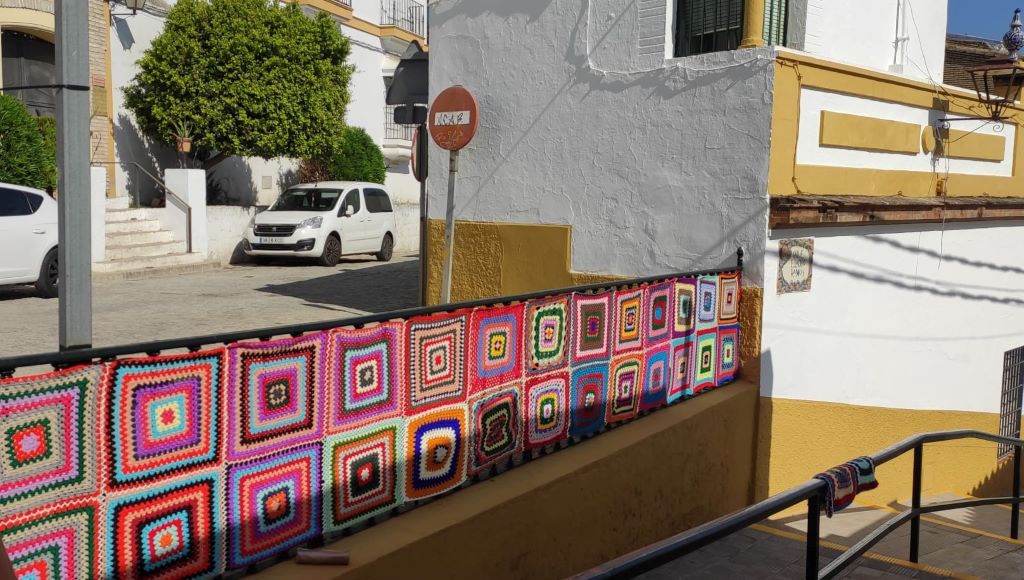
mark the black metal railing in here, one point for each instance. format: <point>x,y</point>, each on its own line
<point>813,493</point>
<point>65,359</point>
<point>343,2</point>
<point>393,130</point>
<point>405,14</point>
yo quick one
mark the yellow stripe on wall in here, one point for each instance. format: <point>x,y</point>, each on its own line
<point>869,134</point>
<point>967,145</point>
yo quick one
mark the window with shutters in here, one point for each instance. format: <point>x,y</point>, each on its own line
<point>708,26</point>
<point>775,18</point>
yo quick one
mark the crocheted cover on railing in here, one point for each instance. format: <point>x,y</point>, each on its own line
<point>190,465</point>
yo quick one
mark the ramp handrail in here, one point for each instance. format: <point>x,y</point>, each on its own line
<point>178,201</point>
<point>813,492</point>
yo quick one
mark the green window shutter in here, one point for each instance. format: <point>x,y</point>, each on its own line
<point>775,22</point>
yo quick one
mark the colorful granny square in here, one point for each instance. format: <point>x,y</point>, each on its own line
<point>705,363</point>
<point>707,301</point>
<point>53,542</point>
<point>629,320</point>
<point>624,385</point>
<point>728,298</point>
<point>48,438</point>
<point>163,416</point>
<point>496,427</point>
<point>682,375</point>
<point>657,378</point>
<point>367,371</point>
<point>591,341</point>
<point>547,326</point>
<point>275,394</point>
<point>546,416</point>
<point>659,319</point>
<point>495,346</point>
<point>362,470</point>
<point>588,396</point>
<point>273,504</point>
<point>435,451</point>
<point>728,353</point>
<point>173,530</point>
<point>437,351</point>
<point>684,311</point>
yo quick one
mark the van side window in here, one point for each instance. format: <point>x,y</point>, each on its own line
<point>352,199</point>
<point>377,201</point>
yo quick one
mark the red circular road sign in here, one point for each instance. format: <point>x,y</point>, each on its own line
<point>454,118</point>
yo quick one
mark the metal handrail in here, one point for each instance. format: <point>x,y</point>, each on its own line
<point>69,358</point>
<point>181,203</point>
<point>813,492</point>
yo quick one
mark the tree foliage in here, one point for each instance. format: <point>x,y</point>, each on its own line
<point>23,155</point>
<point>254,78</point>
<point>357,158</point>
<point>48,129</point>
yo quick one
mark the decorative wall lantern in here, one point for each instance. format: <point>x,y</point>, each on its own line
<point>998,82</point>
<point>133,5</point>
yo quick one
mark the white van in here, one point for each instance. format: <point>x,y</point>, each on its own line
<point>325,220</point>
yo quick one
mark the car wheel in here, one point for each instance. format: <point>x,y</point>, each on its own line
<point>387,249</point>
<point>332,252</point>
<point>46,284</point>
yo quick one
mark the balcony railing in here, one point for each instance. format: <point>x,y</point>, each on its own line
<point>393,130</point>
<point>347,3</point>
<point>405,14</point>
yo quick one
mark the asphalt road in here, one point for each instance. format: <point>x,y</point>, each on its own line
<point>237,298</point>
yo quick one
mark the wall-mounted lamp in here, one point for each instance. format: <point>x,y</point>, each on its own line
<point>133,5</point>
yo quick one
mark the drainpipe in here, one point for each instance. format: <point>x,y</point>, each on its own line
<point>753,24</point>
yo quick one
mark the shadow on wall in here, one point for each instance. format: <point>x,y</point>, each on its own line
<point>763,431</point>
<point>132,147</point>
<point>357,289</point>
<point>231,182</point>
<point>123,32</point>
<point>445,11</point>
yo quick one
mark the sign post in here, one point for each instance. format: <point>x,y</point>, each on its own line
<point>453,121</point>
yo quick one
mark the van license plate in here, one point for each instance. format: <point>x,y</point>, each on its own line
<point>272,240</point>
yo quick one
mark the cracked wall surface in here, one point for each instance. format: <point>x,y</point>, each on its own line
<point>657,165</point>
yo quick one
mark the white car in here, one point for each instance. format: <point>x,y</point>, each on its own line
<point>28,238</point>
<point>325,220</point>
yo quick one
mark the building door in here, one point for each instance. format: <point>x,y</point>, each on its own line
<point>29,61</point>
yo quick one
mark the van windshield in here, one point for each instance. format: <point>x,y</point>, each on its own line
<point>307,200</point>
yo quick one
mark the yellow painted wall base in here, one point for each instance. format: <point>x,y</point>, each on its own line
<point>501,259</point>
<point>564,513</point>
<point>797,439</point>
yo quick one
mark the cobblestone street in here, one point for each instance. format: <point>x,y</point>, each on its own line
<point>233,299</point>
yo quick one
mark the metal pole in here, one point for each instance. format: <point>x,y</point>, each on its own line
<point>421,159</point>
<point>74,256</point>
<point>449,233</point>
<point>1015,514</point>
<point>813,536</point>
<point>915,505</point>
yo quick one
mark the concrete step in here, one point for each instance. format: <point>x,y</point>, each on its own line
<point>133,226</point>
<point>127,215</point>
<point>131,238</point>
<point>119,202</point>
<point>138,268</point>
<point>144,250</point>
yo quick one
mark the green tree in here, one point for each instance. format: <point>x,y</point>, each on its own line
<point>357,158</point>
<point>48,129</point>
<point>23,159</point>
<point>254,78</point>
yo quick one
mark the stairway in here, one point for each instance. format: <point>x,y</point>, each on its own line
<point>138,246</point>
<point>964,543</point>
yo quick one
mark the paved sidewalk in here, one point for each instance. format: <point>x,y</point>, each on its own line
<point>234,299</point>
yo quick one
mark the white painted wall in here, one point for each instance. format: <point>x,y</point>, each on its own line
<point>225,226</point>
<point>809,151</point>
<point>658,167</point>
<point>913,317</point>
<point>863,34</point>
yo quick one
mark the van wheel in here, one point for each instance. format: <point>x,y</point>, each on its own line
<point>332,252</point>
<point>387,249</point>
<point>46,284</point>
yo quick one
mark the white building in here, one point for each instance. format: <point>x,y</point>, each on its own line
<point>643,137</point>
